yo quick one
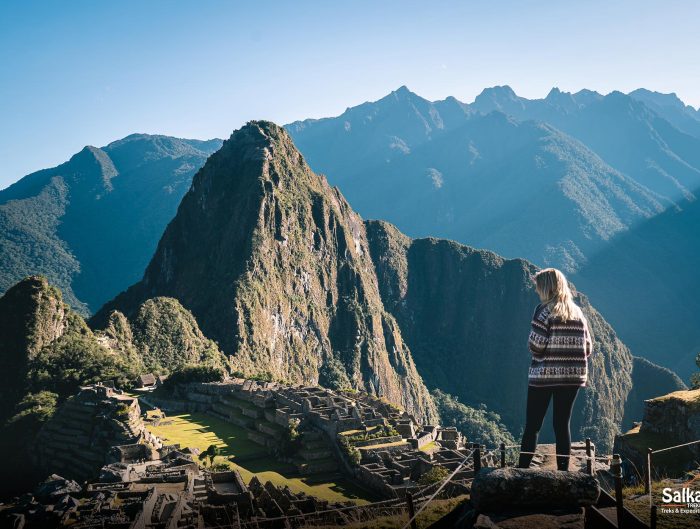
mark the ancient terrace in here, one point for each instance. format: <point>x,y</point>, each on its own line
<point>135,479</point>
<point>381,447</point>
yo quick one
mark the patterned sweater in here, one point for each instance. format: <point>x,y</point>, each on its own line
<point>560,350</point>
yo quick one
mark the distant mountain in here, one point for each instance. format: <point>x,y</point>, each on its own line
<point>287,278</point>
<point>672,109</point>
<point>487,180</point>
<point>463,312</point>
<point>625,132</point>
<point>91,224</point>
<point>646,282</point>
<point>557,180</point>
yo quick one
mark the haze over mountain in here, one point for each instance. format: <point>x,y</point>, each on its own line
<point>646,282</point>
<point>91,224</point>
<point>625,132</point>
<point>554,180</point>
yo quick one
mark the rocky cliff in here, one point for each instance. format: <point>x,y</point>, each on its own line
<point>276,268</point>
<point>32,315</point>
<point>465,314</point>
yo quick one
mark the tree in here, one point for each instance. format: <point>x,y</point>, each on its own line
<point>434,475</point>
<point>211,453</point>
<point>695,377</point>
<point>34,410</point>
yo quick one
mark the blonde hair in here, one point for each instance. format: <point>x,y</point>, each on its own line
<point>554,291</point>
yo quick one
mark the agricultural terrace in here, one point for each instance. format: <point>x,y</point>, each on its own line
<point>199,430</point>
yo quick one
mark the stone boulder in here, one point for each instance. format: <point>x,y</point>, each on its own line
<point>55,487</point>
<point>494,489</point>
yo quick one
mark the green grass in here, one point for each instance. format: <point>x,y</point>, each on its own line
<point>429,447</point>
<point>383,445</point>
<point>198,430</point>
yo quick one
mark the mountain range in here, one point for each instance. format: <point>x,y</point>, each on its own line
<point>293,283</point>
<point>602,186</point>
<point>267,270</point>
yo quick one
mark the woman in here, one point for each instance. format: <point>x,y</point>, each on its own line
<point>560,343</point>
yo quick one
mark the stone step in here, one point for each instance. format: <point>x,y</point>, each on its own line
<point>314,445</point>
<point>315,455</point>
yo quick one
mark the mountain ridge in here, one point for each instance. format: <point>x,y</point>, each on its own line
<point>89,223</point>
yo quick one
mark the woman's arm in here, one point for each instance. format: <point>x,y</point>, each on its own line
<point>539,334</point>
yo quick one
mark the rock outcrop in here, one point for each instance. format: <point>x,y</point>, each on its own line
<point>32,315</point>
<point>496,489</point>
<point>275,266</point>
<point>669,420</point>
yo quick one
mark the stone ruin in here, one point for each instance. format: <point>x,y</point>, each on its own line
<point>137,481</point>
<point>99,435</point>
<point>171,491</point>
<point>395,452</point>
<point>91,429</point>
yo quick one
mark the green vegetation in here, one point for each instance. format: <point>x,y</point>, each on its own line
<point>434,475</point>
<point>259,376</point>
<point>353,454</point>
<point>235,450</point>
<point>168,337</point>
<point>193,373</point>
<point>122,412</point>
<point>436,510</point>
<point>373,433</point>
<point>210,453</point>
<point>34,410</point>
<point>333,374</point>
<point>695,377</point>
<point>292,438</point>
<point>73,360</point>
<point>478,425</point>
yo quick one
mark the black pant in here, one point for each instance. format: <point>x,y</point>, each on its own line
<point>537,403</point>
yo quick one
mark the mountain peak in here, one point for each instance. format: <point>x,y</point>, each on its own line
<point>658,98</point>
<point>500,98</point>
<point>286,283</point>
<point>562,99</point>
<point>499,92</point>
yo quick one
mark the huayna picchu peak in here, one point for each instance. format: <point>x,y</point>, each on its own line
<point>275,266</point>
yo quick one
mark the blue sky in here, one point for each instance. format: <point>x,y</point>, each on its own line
<point>81,72</point>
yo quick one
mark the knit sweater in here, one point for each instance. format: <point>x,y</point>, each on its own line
<point>560,350</point>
